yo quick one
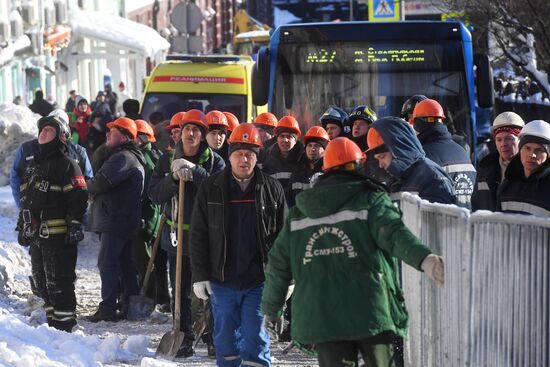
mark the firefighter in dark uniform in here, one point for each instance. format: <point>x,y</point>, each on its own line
<point>336,122</point>
<point>53,202</point>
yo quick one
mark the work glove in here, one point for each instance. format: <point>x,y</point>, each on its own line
<point>202,289</point>
<point>432,265</point>
<point>184,174</point>
<point>75,234</point>
<point>274,326</point>
<point>180,163</point>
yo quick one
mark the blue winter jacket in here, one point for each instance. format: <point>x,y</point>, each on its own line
<point>116,191</point>
<point>443,150</point>
<point>412,170</point>
<point>26,153</point>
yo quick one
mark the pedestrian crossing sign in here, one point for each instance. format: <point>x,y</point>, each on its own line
<point>384,10</point>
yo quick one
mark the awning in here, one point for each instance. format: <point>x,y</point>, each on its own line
<point>117,30</point>
<point>20,46</point>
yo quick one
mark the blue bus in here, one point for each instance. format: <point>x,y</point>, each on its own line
<point>309,67</point>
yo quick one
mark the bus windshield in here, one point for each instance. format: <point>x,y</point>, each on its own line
<point>312,76</point>
<point>171,103</point>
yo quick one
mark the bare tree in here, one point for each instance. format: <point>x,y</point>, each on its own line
<point>520,30</point>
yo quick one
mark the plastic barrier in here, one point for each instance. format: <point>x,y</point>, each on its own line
<point>493,309</point>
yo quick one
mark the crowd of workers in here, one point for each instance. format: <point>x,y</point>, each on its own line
<point>267,209</point>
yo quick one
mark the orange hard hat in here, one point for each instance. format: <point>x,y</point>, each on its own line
<point>341,151</point>
<point>232,120</point>
<point>144,128</point>
<point>290,123</point>
<point>175,121</point>
<point>217,118</point>
<point>125,123</point>
<point>374,139</point>
<point>428,108</point>
<point>267,119</point>
<point>245,134</point>
<point>316,132</point>
<point>195,117</point>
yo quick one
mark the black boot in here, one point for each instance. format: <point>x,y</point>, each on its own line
<point>186,350</point>
<point>103,315</point>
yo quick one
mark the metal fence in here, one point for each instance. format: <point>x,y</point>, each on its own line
<point>493,309</point>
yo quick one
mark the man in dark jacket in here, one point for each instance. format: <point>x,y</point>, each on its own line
<point>53,202</point>
<point>30,149</point>
<point>40,105</point>
<point>237,216</point>
<point>315,140</point>
<point>490,171</point>
<point>440,147</point>
<point>192,161</point>
<point>527,178</point>
<point>150,214</point>
<point>340,245</point>
<point>116,215</point>
<point>393,143</point>
<point>279,160</point>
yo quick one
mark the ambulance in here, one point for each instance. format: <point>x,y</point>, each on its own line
<point>209,82</point>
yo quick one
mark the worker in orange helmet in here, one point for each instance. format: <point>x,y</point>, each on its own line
<point>218,128</point>
<point>150,215</point>
<point>237,216</point>
<point>232,121</point>
<point>304,175</point>
<point>279,160</point>
<point>192,162</point>
<point>266,122</point>
<point>342,241</point>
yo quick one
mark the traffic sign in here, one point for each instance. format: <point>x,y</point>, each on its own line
<point>186,17</point>
<point>384,10</point>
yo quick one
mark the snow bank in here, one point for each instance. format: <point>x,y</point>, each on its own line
<point>17,125</point>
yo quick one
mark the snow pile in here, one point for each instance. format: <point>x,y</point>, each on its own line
<point>17,125</point>
<point>25,338</point>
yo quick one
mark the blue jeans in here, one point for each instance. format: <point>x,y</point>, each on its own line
<point>239,335</point>
<point>116,261</point>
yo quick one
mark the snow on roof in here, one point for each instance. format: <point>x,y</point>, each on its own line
<point>253,34</point>
<point>117,30</point>
<point>6,54</point>
<point>284,17</point>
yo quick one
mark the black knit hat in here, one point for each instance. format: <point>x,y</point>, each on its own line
<point>534,139</point>
<point>280,130</point>
<point>321,142</point>
<point>236,146</point>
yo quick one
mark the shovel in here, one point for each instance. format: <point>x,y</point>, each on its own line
<point>171,341</point>
<point>141,307</point>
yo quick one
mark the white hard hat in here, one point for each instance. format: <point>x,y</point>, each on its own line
<point>62,115</point>
<point>538,128</point>
<point>61,119</point>
<point>507,118</point>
